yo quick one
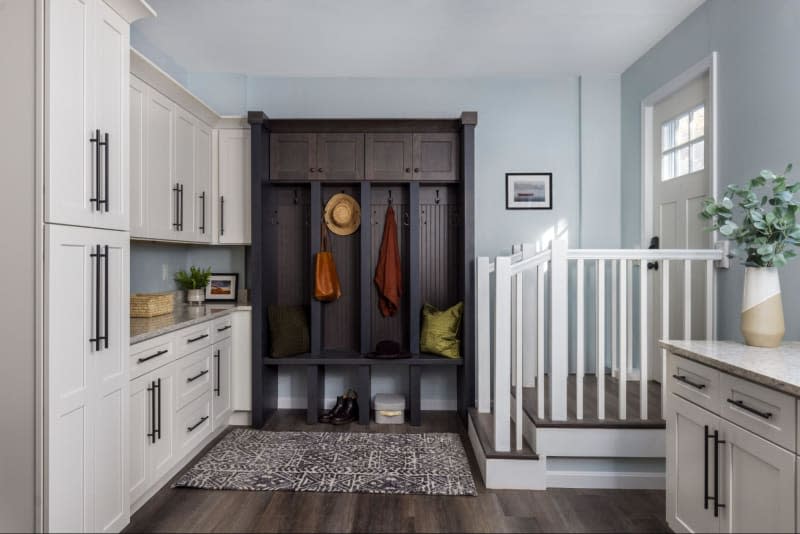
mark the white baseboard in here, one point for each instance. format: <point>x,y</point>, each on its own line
<point>240,418</point>
<point>605,480</point>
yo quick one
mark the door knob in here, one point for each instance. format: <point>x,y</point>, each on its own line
<point>654,245</point>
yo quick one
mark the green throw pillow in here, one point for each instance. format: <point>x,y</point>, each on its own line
<point>288,331</point>
<point>439,333</point>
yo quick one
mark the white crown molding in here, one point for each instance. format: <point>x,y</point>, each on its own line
<point>131,10</point>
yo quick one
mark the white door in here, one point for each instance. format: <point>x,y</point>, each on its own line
<point>221,382</point>
<point>163,454</point>
<point>758,481</point>
<point>69,112</point>
<point>202,183</point>
<point>137,174</point>
<point>140,434</point>
<point>687,468</point>
<point>87,338</point>
<point>184,173</point>
<point>162,199</point>
<point>681,180</point>
<point>112,52</point>
<point>233,209</point>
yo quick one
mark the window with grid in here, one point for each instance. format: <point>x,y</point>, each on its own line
<point>683,144</point>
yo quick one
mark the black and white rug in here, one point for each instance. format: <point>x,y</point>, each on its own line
<point>257,460</point>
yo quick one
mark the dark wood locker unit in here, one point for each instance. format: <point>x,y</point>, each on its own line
<point>340,157</point>
<point>436,157</point>
<point>425,170</point>
<point>388,157</point>
<point>293,157</point>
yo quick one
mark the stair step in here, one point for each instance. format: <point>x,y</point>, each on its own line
<point>484,429</point>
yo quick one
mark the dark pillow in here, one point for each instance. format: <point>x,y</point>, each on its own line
<point>288,331</point>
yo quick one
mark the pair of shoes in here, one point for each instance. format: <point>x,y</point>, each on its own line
<point>344,411</point>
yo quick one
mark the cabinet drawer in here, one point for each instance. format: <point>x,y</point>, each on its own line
<point>151,354</point>
<point>193,423</point>
<point>765,412</point>
<point>221,328</point>
<point>693,381</point>
<point>193,338</point>
<point>194,376</point>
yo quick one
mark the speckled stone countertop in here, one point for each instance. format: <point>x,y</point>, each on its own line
<point>777,368</point>
<point>182,316</point>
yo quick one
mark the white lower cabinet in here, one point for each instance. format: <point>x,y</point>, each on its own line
<point>722,477</point>
<point>221,397</point>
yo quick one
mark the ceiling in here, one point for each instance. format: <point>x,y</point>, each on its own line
<point>410,38</point>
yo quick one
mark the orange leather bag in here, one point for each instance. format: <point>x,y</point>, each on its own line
<point>326,280</point>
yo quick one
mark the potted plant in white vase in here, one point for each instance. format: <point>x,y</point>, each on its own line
<point>194,283</point>
<point>761,218</point>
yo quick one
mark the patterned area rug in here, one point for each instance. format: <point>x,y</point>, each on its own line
<point>350,462</point>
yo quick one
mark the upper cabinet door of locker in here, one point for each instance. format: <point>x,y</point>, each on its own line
<point>233,205</point>
<point>436,157</point>
<point>70,112</point>
<point>293,157</point>
<point>340,157</point>
<point>202,183</point>
<point>159,151</point>
<point>388,157</point>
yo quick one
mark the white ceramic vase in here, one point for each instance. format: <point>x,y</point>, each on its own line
<point>762,309</point>
<point>195,296</point>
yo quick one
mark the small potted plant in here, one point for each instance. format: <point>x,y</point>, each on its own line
<point>194,283</point>
<point>761,217</point>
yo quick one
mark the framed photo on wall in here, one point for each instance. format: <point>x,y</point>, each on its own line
<point>529,190</point>
<point>223,287</point>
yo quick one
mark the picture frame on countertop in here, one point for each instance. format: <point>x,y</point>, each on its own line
<point>529,190</point>
<point>223,287</point>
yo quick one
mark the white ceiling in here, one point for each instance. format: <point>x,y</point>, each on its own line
<point>410,38</point>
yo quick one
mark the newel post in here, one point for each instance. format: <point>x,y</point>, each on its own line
<point>559,352</point>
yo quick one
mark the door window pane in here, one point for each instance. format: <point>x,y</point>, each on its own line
<point>697,123</point>
<point>698,156</point>
<point>682,161</point>
<point>667,166</point>
<point>667,140</point>
<point>682,129</point>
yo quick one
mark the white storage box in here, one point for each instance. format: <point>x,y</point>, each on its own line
<point>390,409</point>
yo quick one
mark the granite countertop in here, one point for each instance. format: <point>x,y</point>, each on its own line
<point>182,316</point>
<point>777,368</point>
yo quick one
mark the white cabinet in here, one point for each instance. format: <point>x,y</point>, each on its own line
<point>86,114</point>
<point>233,204</point>
<point>86,333</point>
<point>221,381</point>
<point>138,172</point>
<point>242,363</point>
<point>202,184</point>
<point>183,183</point>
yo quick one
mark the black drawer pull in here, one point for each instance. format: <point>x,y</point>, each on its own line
<point>200,422</point>
<point>198,375</point>
<point>228,327</point>
<point>198,338</point>
<point>743,406</point>
<point>156,355</point>
<point>682,378</point>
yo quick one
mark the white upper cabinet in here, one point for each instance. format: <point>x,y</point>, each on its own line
<point>183,184</point>
<point>86,92</point>
<point>233,205</point>
<point>162,198</point>
<point>138,172</point>
<point>202,183</point>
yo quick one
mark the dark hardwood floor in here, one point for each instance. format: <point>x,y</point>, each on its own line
<point>555,510</point>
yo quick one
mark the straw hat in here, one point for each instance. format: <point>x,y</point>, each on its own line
<point>342,214</point>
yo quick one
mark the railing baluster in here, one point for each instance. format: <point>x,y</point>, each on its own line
<point>529,319</point>
<point>483,306</point>
<point>664,332</point>
<point>710,334</point>
<point>623,337</point>
<point>687,299</point>
<point>540,341</point>
<point>644,342</point>
<point>519,360</point>
<point>601,339</point>
<point>614,318</point>
<point>502,354</point>
<point>580,354</point>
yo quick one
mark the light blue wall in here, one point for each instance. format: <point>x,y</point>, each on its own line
<point>758,121</point>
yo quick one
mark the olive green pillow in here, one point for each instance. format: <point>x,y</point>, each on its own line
<point>439,333</point>
<point>288,331</point>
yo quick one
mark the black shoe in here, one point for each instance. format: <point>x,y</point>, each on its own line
<point>327,415</point>
<point>349,413</point>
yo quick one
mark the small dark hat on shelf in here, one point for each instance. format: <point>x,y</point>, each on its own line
<point>388,350</point>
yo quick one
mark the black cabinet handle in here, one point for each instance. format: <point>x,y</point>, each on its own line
<point>682,378</point>
<point>96,142</point>
<point>156,355</point>
<point>105,295</point>
<point>152,390</point>
<point>227,327</point>
<point>198,338</point>
<point>198,375</point>
<point>221,215</point>
<point>200,422</point>
<point>216,357</point>
<point>104,144</point>
<point>717,443</point>
<point>181,194</point>
<point>177,191</point>
<point>158,387</point>
<point>203,213</point>
<point>743,406</point>
<point>98,290</point>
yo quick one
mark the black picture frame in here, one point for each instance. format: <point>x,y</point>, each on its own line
<point>544,177</point>
<point>231,278</point>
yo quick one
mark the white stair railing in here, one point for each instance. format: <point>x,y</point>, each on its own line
<point>511,336</point>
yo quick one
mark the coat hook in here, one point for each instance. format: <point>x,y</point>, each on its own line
<point>390,197</point>
<point>406,219</point>
<point>295,195</point>
<point>437,196</point>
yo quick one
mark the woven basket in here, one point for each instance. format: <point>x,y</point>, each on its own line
<point>152,304</point>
